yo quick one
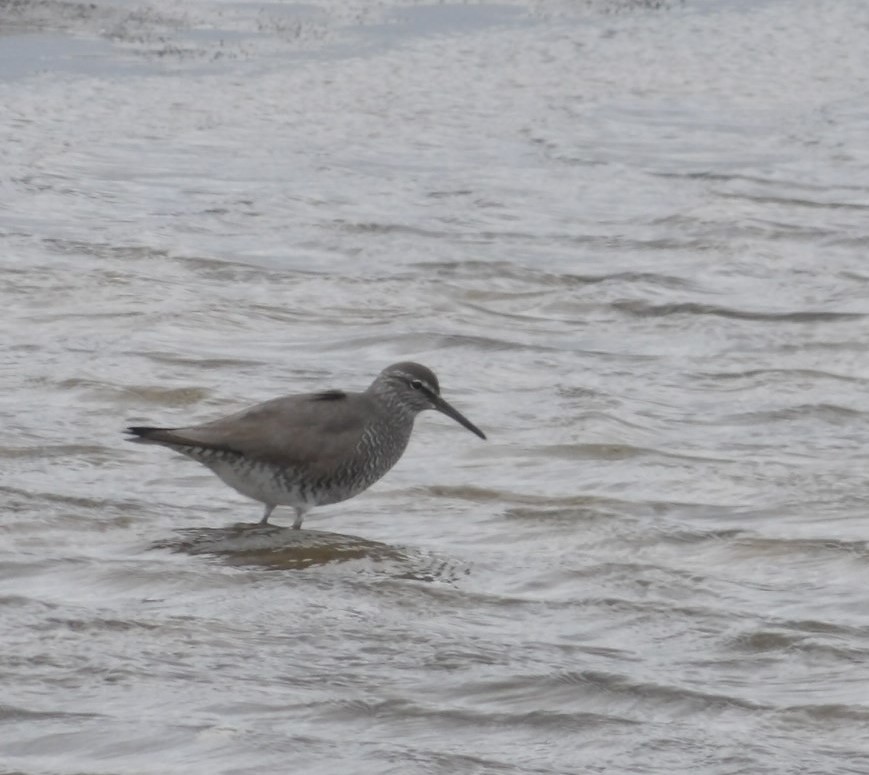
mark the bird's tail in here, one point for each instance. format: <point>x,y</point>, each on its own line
<point>143,434</point>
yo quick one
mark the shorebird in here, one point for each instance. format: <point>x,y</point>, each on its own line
<point>312,449</point>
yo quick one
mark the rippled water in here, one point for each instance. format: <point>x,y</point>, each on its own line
<point>631,240</point>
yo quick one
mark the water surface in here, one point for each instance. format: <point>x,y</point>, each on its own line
<point>629,237</point>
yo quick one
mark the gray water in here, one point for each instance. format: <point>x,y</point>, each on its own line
<point>630,238</point>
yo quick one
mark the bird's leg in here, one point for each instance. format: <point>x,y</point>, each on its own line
<point>300,515</point>
<point>268,512</point>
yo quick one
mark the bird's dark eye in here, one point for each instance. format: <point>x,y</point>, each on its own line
<point>415,384</point>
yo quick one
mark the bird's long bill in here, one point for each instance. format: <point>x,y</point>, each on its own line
<point>443,407</point>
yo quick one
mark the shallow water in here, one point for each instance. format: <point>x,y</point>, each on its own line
<point>629,237</point>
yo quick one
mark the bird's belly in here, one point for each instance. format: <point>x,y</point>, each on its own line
<point>297,487</point>
<point>282,487</point>
<point>262,482</point>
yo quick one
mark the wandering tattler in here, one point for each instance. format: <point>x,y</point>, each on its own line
<point>312,449</point>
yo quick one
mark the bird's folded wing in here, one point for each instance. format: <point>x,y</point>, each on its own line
<point>303,430</point>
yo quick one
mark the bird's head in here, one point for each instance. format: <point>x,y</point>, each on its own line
<point>414,388</point>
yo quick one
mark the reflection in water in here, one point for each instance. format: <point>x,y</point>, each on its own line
<point>282,548</point>
<point>277,547</point>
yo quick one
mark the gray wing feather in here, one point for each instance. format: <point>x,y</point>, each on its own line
<point>301,430</point>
